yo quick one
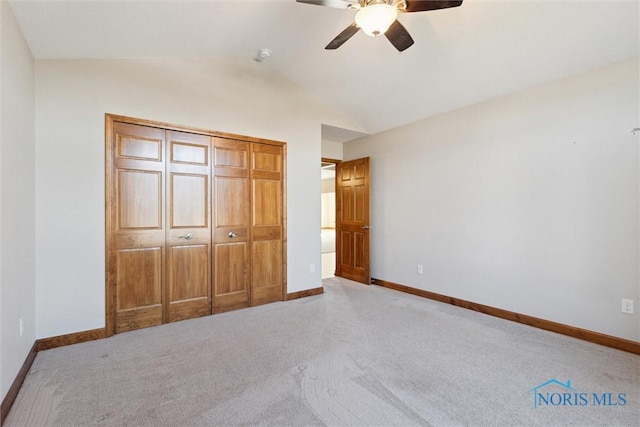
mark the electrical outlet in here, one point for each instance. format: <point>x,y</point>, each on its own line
<point>21,326</point>
<point>312,268</point>
<point>627,306</point>
<point>420,269</point>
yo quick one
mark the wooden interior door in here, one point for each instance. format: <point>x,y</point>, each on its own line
<point>231,219</point>
<point>188,238</point>
<point>137,236</point>
<point>352,220</point>
<point>267,282</point>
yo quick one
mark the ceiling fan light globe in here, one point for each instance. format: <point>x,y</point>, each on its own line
<point>376,19</point>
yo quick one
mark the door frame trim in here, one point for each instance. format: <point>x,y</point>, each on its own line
<point>110,120</point>
<point>335,162</point>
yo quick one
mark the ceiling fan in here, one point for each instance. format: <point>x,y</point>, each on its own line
<point>377,17</point>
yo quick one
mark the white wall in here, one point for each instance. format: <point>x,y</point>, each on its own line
<point>17,198</point>
<point>236,96</point>
<point>331,149</point>
<point>529,202</point>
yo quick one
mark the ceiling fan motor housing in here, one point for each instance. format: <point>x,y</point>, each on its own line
<point>398,4</point>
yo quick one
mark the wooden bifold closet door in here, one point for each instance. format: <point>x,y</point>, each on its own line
<point>248,226</point>
<point>188,224</point>
<point>231,219</point>
<point>266,225</point>
<point>195,224</point>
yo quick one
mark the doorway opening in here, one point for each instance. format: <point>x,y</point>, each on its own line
<point>328,217</point>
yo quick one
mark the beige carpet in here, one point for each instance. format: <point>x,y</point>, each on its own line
<point>355,356</point>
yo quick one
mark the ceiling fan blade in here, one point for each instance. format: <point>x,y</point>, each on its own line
<point>343,36</point>
<point>340,4</point>
<point>426,5</point>
<point>399,36</point>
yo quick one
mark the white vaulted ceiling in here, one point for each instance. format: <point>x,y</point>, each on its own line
<point>461,56</point>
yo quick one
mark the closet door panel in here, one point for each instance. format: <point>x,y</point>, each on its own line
<point>189,201</point>
<point>139,288</point>
<point>231,201</point>
<point>135,200</point>
<point>267,223</point>
<point>188,284</point>
<point>231,220</point>
<point>139,142</point>
<point>139,199</point>
<point>230,280</point>
<point>266,284</point>
<point>267,203</point>
<point>189,153</point>
<point>188,268</point>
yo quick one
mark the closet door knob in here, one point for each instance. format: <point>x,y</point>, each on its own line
<point>186,236</point>
<point>232,234</point>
